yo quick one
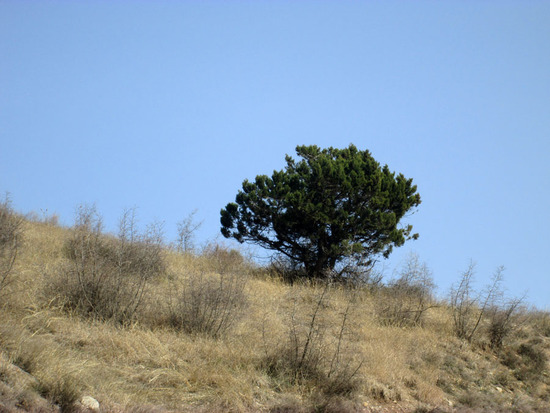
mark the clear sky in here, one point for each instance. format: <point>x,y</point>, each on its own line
<point>169,105</point>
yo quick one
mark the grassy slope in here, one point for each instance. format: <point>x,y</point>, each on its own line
<point>150,367</point>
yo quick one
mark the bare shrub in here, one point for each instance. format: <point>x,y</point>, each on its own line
<point>316,351</point>
<point>44,217</point>
<point>502,321</point>
<point>11,228</point>
<point>502,313</point>
<point>358,270</point>
<point>106,277</point>
<point>407,298</point>
<point>361,276</point>
<point>470,308</point>
<point>464,304</point>
<point>187,228</point>
<point>224,260</point>
<point>208,304</point>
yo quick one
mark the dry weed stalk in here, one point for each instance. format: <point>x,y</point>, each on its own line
<point>10,241</point>
<point>316,350</point>
<point>187,228</point>
<point>470,309</point>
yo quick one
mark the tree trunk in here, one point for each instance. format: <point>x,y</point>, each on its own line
<point>321,268</point>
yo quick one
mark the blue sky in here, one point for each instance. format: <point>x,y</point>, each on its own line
<point>169,105</point>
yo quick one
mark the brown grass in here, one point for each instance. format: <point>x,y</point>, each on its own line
<point>150,366</point>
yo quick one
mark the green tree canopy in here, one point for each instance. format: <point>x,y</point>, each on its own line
<point>330,205</point>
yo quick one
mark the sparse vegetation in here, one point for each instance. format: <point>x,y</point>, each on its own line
<point>208,303</point>
<point>471,310</point>
<point>10,242</point>
<point>224,260</point>
<point>207,334</point>
<point>187,228</point>
<point>317,348</point>
<point>528,361</point>
<point>407,298</point>
<point>105,277</point>
<point>502,321</point>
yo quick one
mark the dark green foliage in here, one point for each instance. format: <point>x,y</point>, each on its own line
<point>332,204</point>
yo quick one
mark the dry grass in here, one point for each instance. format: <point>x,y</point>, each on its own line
<point>49,356</point>
<point>207,304</point>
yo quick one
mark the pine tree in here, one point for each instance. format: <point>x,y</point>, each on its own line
<point>330,205</point>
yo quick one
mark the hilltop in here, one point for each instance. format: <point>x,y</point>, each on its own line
<point>210,331</point>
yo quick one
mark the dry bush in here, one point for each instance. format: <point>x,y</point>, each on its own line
<point>316,351</point>
<point>407,298</point>
<point>502,321</point>
<point>208,304</point>
<point>464,305</point>
<point>44,217</point>
<point>187,228</point>
<point>224,260</point>
<point>106,277</point>
<point>10,241</point>
<point>468,307</point>
<point>471,310</point>
<point>357,270</point>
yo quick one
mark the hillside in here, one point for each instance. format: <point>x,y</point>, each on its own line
<point>214,333</point>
